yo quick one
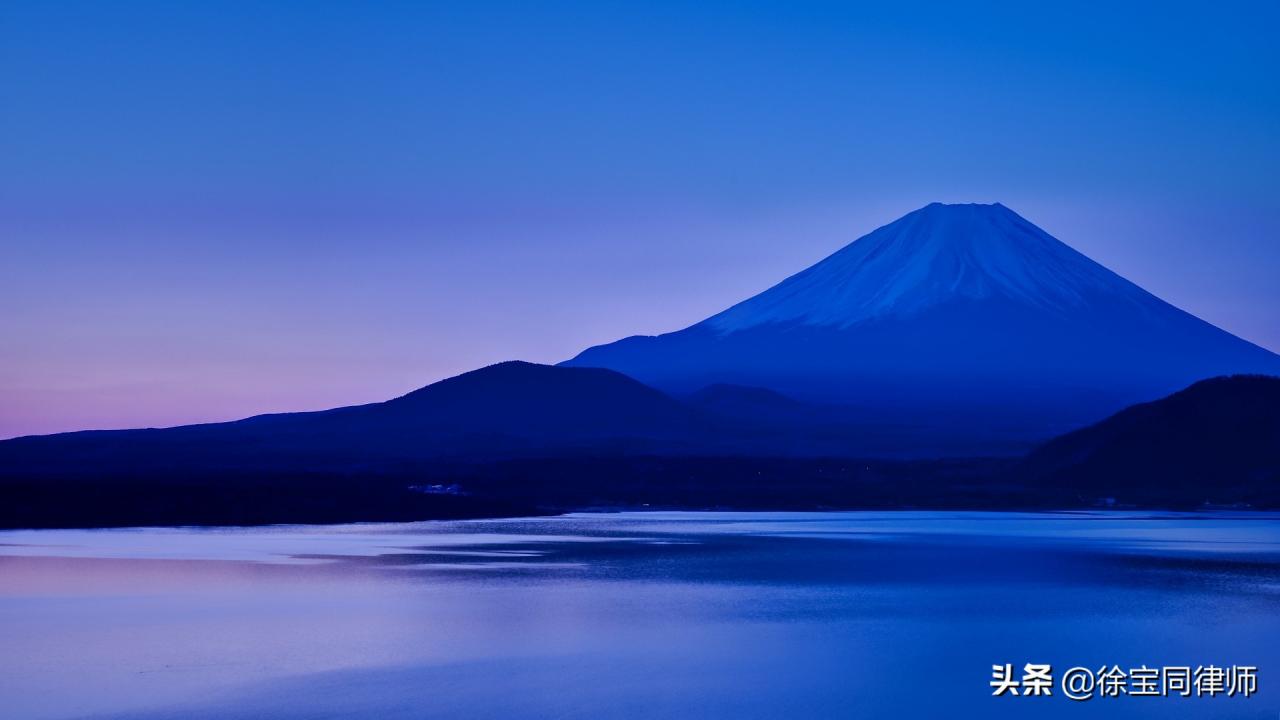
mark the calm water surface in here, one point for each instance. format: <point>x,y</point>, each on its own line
<point>634,615</point>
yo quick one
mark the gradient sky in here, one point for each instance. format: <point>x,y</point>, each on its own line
<point>210,210</point>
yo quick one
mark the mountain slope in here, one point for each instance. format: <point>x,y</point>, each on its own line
<point>962,313</point>
<point>1217,441</point>
<point>507,409</point>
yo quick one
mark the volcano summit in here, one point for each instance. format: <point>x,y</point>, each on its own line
<point>954,313</point>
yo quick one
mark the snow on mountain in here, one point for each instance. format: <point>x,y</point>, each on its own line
<point>935,255</point>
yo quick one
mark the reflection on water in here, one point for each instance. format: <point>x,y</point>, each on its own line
<point>667,615</point>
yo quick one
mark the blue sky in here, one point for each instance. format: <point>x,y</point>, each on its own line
<point>211,210</point>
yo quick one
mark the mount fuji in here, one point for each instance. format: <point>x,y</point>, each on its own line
<point>907,369</point>
<point>953,315</point>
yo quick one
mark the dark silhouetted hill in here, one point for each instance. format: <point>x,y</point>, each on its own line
<point>509,409</point>
<point>1216,442</point>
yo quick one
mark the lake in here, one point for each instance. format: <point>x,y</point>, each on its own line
<point>637,615</point>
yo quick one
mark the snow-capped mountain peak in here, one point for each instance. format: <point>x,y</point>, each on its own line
<point>936,255</point>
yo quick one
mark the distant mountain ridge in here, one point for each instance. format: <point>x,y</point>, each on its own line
<point>968,312</point>
<point>509,409</point>
<point>518,438</point>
